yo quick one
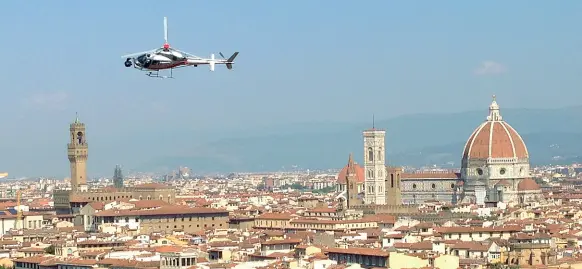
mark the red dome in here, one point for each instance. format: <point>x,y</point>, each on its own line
<point>528,184</point>
<point>495,138</point>
<point>360,176</point>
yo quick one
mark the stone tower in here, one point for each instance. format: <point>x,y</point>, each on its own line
<point>393,192</point>
<point>78,152</point>
<point>118,177</point>
<point>374,166</point>
<point>352,184</point>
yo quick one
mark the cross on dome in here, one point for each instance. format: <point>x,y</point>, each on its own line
<point>494,114</point>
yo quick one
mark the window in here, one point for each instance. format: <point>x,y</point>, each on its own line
<point>391,180</point>
<point>452,185</point>
<point>370,154</point>
<point>502,171</point>
<point>433,186</point>
<point>414,186</point>
<point>479,171</point>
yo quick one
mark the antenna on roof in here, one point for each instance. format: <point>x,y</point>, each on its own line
<point>373,121</point>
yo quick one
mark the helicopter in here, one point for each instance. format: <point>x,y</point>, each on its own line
<point>169,58</point>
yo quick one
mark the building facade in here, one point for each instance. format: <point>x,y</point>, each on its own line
<point>165,219</point>
<point>421,187</point>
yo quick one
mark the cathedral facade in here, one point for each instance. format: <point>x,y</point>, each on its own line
<point>494,168</point>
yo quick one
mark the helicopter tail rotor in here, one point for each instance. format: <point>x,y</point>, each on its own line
<point>230,60</point>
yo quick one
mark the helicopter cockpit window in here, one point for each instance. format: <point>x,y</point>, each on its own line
<point>141,58</point>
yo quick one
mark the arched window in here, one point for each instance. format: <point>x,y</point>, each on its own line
<point>391,180</point>
<point>80,137</point>
<point>370,154</point>
<point>380,154</point>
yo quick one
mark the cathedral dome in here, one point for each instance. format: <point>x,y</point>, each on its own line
<point>528,184</point>
<point>495,139</point>
<point>341,177</point>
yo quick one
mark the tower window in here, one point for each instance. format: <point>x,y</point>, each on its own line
<point>370,154</point>
<point>80,137</point>
<point>391,180</point>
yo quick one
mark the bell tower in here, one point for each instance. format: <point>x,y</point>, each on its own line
<point>78,152</point>
<point>375,166</point>
<point>393,191</point>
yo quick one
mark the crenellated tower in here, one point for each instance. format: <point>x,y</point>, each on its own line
<point>78,153</point>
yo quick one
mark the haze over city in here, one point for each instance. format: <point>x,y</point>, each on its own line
<point>301,64</point>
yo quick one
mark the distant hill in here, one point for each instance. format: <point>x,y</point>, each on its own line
<point>552,136</point>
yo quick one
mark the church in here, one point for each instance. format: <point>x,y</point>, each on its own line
<point>494,168</point>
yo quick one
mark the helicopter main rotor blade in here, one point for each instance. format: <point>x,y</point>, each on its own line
<point>166,29</point>
<point>137,54</point>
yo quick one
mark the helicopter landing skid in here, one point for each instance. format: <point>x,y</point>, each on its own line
<point>156,74</point>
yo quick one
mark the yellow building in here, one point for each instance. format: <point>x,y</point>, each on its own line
<point>273,221</point>
<point>165,219</point>
<point>403,260</point>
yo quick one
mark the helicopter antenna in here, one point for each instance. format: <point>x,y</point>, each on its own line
<point>166,44</point>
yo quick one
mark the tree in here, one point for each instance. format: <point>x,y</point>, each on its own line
<point>297,186</point>
<point>50,250</point>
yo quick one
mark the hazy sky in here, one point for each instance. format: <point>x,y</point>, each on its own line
<point>299,61</point>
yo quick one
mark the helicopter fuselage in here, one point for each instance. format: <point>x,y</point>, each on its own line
<point>164,59</point>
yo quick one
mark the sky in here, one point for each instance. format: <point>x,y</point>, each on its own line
<point>300,61</point>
